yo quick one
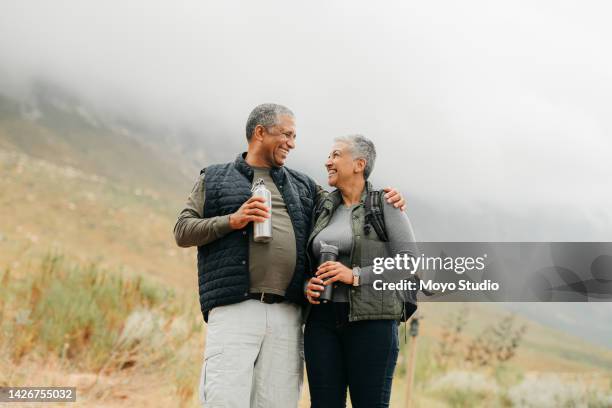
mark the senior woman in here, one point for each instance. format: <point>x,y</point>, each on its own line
<point>352,341</point>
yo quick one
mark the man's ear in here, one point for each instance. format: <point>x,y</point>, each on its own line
<point>258,133</point>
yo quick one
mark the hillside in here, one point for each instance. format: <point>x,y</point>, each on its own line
<point>55,126</point>
<point>93,187</point>
<point>103,198</point>
<point>543,348</point>
<point>49,208</point>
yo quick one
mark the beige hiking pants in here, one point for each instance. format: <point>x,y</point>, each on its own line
<point>253,357</point>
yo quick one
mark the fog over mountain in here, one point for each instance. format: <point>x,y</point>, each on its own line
<point>489,107</point>
<point>494,119</point>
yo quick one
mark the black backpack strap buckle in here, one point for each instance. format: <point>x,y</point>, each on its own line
<point>374,215</point>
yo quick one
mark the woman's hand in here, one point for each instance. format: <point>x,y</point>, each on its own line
<point>313,290</point>
<point>332,271</point>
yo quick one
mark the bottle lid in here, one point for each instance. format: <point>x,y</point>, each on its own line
<point>329,248</point>
<point>259,182</point>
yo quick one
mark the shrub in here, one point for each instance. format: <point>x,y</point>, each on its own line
<point>90,318</point>
<point>549,391</point>
<point>464,389</point>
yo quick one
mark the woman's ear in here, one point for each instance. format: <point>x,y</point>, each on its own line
<point>359,166</point>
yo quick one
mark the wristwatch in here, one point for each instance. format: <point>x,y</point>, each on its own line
<point>356,275</point>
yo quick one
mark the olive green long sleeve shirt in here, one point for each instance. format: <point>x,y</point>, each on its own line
<point>191,228</point>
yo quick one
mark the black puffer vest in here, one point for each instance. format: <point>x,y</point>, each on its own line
<point>223,265</point>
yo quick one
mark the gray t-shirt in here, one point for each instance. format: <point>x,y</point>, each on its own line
<point>339,232</point>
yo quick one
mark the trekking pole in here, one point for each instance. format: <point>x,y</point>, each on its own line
<point>411,362</point>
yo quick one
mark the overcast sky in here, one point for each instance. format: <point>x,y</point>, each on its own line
<point>478,106</point>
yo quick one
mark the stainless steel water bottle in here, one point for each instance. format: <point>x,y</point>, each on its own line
<point>262,231</point>
<point>328,253</point>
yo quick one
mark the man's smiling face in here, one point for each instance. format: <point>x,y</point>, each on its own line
<point>279,140</point>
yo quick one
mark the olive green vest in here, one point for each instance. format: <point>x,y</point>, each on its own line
<point>365,303</point>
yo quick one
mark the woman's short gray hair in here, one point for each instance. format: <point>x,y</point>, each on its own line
<point>266,115</point>
<point>361,148</point>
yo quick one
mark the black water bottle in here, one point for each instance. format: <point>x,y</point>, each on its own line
<point>328,253</point>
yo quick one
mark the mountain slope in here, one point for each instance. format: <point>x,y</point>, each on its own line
<point>45,207</point>
<point>54,126</point>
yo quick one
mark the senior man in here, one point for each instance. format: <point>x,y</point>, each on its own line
<point>251,293</point>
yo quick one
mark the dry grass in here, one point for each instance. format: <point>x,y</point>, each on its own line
<point>102,331</point>
<point>44,206</point>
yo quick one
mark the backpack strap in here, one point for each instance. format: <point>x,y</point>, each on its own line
<point>374,216</point>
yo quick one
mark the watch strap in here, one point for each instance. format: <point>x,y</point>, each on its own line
<point>356,275</point>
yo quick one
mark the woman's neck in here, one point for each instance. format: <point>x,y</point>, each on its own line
<point>351,192</point>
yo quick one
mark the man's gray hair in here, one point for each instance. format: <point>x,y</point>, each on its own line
<point>361,148</point>
<point>266,115</point>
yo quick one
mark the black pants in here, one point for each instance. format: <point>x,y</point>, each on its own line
<point>358,355</point>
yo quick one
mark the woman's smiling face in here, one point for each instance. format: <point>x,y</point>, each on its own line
<point>340,164</point>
